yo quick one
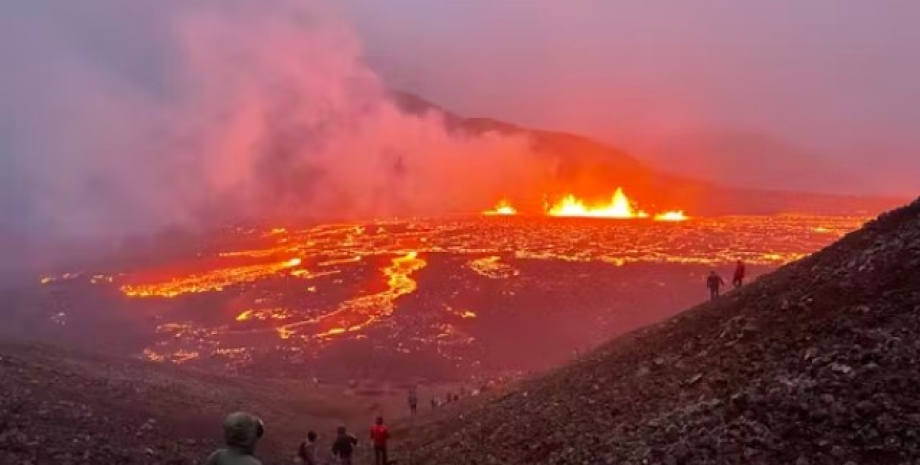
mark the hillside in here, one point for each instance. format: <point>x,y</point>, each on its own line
<point>815,363</point>
<point>66,407</point>
<point>594,169</point>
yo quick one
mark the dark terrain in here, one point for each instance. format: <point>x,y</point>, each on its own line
<point>815,363</point>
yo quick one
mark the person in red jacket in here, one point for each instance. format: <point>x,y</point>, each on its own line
<point>380,436</point>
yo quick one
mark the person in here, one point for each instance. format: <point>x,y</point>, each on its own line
<point>379,436</point>
<point>413,402</point>
<point>714,282</point>
<point>241,432</point>
<point>738,279</point>
<point>344,446</point>
<point>307,452</point>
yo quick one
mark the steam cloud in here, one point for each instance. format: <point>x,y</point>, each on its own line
<point>128,116</point>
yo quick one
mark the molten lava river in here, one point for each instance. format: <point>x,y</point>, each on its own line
<point>425,299</point>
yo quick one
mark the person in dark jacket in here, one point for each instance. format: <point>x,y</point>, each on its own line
<point>307,452</point>
<point>413,402</point>
<point>343,449</point>
<point>379,436</point>
<point>738,278</point>
<point>714,282</point>
<point>241,432</point>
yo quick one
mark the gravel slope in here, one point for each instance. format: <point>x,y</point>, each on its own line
<point>816,363</point>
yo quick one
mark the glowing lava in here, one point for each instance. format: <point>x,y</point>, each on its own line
<point>361,312</point>
<point>502,208</point>
<point>215,280</point>
<point>619,207</point>
<point>676,215</point>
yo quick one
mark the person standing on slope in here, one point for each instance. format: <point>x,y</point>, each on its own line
<point>343,449</point>
<point>738,278</point>
<point>307,452</point>
<point>714,282</point>
<point>413,402</point>
<point>241,432</point>
<point>379,436</point>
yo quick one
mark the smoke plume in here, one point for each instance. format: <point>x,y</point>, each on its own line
<point>120,117</point>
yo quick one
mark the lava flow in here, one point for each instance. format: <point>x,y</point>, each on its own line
<point>441,289</point>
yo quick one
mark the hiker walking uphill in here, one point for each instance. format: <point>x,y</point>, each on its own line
<point>241,432</point>
<point>738,278</point>
<point>714,282</point>
<point>379,436</point>
<point>343,449</point>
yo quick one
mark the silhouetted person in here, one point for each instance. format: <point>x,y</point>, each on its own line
<point>714,282</point>
<point>380,436</point>
<point>241,432</point>
<point>413,402</point>
<point>343,449</point>
<point>434,403</point>
<point>738,279</point>
<point>307,451</point>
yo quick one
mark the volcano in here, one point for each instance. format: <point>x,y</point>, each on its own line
<point>594,167</point>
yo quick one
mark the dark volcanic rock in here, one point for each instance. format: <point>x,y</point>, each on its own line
<point>816,363</point>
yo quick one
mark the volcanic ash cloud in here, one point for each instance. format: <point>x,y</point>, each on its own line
<point>122,117</point>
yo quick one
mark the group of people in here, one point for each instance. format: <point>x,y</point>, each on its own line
<point>242,431</point>
<point>715,283</point>
<point>436,402</point>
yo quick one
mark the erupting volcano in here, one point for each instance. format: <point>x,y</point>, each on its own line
<point>619,207</point>
<point>502,208</point>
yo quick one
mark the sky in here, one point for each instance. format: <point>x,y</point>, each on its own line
<point>128,117</point>
<point>818,94</point>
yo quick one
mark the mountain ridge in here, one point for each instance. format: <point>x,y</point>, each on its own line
<point>589,168</point>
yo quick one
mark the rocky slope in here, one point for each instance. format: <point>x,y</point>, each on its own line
<point>58,406</point>
<point>816,363</point>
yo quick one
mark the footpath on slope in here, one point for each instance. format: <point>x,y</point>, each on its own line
<point>818,362</point>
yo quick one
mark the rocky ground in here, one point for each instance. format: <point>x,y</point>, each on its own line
<point>59,406</point>
<point>816,363</point>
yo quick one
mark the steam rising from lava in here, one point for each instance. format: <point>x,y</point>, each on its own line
<point>126,117</point>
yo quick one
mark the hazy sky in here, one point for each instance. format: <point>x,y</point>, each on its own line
<point>830,84</point>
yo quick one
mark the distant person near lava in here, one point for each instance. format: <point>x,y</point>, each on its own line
<point>413,402</point>
<point>738,279</point>
<point>714,282</point>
